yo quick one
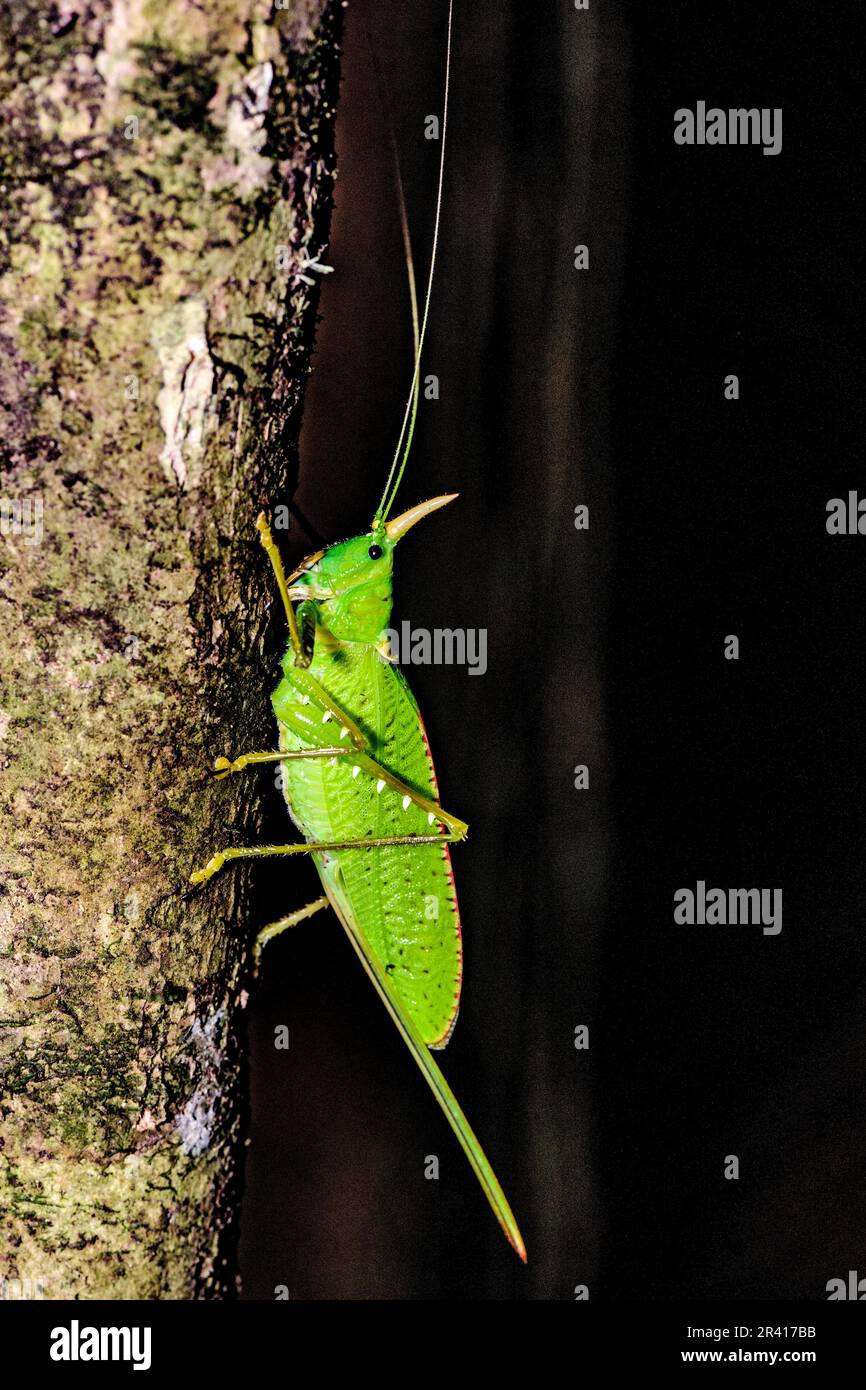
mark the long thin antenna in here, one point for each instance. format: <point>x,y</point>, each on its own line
<point>410,271</point>
<point>382,91</point>
<point>411,411</point>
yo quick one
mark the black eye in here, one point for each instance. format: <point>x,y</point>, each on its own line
<point>375,552</point>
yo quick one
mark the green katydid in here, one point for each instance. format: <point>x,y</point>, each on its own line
<point>359,779</point>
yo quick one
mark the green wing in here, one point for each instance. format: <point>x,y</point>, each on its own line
<point>403,896</point>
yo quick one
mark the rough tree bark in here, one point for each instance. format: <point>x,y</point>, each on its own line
<point>166,171</point>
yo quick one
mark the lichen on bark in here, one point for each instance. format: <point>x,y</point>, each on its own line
<point>166,171</point>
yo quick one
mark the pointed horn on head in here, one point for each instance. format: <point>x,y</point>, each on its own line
<point>399,525</point>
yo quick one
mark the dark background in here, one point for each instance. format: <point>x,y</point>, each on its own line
<point>707,517</point>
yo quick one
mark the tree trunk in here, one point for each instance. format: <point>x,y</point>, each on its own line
<point>167,173</point>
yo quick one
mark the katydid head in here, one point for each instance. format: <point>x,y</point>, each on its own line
<point>350,582</point>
